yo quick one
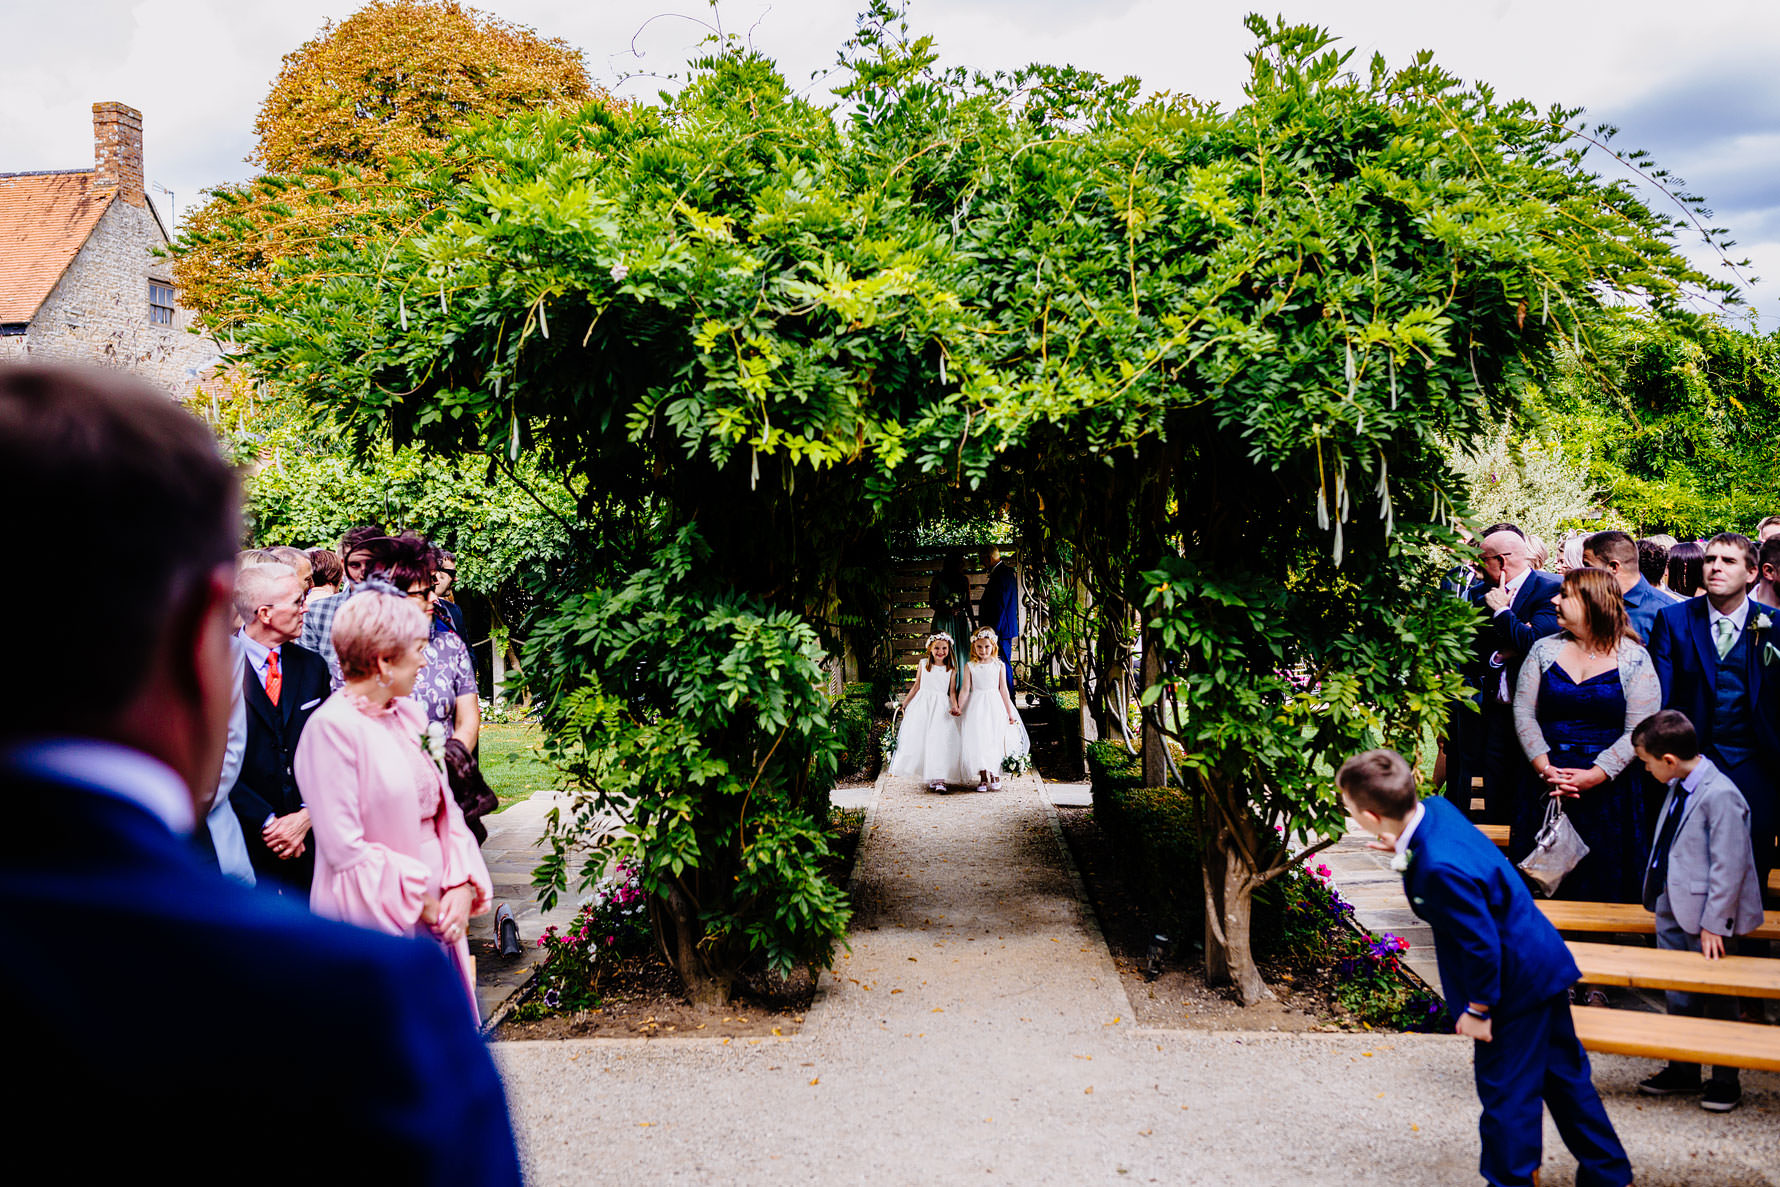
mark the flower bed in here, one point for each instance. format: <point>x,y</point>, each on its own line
<point>1304,931</point>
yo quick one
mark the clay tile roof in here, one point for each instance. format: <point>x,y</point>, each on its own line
<point>45,219</point>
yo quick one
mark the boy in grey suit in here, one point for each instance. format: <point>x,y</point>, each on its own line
<point>1700,881</point>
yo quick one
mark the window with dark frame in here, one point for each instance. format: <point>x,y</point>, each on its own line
<point>160,303</point>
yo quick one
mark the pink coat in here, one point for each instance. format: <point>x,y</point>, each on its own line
<point>387,832</point>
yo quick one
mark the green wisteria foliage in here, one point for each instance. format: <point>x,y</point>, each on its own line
<point>774,320</point>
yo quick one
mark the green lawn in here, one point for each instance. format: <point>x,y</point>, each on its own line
<point>512,762</point>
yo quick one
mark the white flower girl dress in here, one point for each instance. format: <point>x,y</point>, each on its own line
<point>987,735</point>
<point>927,745</point>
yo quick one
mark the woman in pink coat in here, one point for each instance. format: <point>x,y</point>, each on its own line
<point>392,851</point>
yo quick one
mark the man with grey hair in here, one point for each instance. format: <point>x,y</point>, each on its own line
<point>1516,600</point>
<point>282,685</point>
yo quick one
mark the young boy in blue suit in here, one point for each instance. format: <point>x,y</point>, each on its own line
<point>1504,970</point>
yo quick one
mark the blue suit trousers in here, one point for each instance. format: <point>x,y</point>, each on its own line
<point>1535,1059</point>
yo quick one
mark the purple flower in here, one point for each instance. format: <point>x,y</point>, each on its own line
<point>552,998</point>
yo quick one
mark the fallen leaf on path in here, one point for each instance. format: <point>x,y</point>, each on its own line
<point>1088,1091</point>
<point>815,1080</point>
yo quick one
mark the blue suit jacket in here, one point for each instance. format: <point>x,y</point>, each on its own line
<point>1686,660</point>
<point>1492,944</point>
<point>1642,602</point>
<point>1000,604</point>
<point>219,1032</point>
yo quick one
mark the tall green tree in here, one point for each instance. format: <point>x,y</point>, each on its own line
<point>348,111</point>
<point>1217,348</point>
<point>1674,426</point>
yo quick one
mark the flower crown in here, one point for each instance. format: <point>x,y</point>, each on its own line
<point>939,635</point>
<point>986,632</point>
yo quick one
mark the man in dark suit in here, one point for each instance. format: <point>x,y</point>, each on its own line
<point>1712,655</point>
<point>1503,969</point>
<point>212,1026</point>
<point>282,684</point>
<point>1000,607</point>
<point>1516,602</point>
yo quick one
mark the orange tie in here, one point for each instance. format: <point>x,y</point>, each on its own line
<point>274,678</point>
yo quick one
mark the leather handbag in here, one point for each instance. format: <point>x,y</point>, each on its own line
<point>469,788</point>
<point>1556,852</point>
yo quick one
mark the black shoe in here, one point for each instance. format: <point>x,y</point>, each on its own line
<point>506,931</point>
<point>1670,1082</point>
<point>1721,1097</point>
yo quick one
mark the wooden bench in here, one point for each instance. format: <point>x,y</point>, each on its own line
<point>1658,968</point>
<point>1625,919</point>
<point>1498,833</point>
<point>1687,1040</point>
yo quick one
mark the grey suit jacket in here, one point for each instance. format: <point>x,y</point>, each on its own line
<point>1712,878</point>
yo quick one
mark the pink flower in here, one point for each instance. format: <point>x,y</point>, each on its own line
<point>610,940</point>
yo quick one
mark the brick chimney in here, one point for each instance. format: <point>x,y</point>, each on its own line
<point>117,151</point>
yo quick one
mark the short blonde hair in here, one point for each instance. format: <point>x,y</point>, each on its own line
<point>374,626</point>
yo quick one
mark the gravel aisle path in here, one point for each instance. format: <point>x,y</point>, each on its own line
<point>978,1033</point>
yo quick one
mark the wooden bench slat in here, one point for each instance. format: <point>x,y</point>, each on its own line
<point>1497,833</point>
<point>1688,1040</point>
<point>1655,968</point>
<point>1626,918</point>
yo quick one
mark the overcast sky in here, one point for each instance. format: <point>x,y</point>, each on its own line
<point>1696,83</point>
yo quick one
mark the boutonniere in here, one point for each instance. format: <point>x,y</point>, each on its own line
<point>432,744</point>
<point>1400,861</point>
<point>1761,623</point>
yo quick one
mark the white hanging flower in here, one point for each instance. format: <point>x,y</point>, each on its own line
<point>432,743</point>
<point>619,272</point>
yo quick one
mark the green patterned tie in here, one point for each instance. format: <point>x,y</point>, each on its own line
<point>1723,628</point>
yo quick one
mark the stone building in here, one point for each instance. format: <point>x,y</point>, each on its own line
<point>79,277</point>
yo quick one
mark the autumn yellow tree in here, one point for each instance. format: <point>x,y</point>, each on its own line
<point>395,79</point>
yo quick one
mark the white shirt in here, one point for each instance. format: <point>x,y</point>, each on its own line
<point>1409,827</point>
<point>1736,617</point>
<point>256,655</point>
<point>108,768</point>
<point>1511,587</point>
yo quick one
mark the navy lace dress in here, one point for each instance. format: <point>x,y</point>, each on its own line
<point>1579,721</point>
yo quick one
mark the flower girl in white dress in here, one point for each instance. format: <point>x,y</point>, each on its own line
<point>992,728</point>
<point>927,746</point>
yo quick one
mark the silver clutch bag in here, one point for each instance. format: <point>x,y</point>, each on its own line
<point>1556,851</point>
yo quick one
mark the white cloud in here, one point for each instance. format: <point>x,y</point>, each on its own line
<point>198,69</point>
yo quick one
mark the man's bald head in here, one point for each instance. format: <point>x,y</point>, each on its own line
<point>1505,556</point>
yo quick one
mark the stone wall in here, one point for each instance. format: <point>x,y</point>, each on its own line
<point>98,311</point>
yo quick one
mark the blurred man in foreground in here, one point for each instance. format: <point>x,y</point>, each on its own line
<point>183,1011</point>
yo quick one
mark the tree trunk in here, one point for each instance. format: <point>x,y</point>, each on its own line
<point>677,931</point>
<point>1217,958</point>
<point>1239,902</point>
<point>1229,912</point>
<point>1155,758</point>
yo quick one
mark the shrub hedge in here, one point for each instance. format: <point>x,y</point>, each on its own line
<point>852,725</point>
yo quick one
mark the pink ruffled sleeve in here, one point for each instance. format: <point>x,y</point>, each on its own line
<point>356,880</point>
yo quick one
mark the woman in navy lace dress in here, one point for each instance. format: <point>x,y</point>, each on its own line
<point>1581,694</point>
